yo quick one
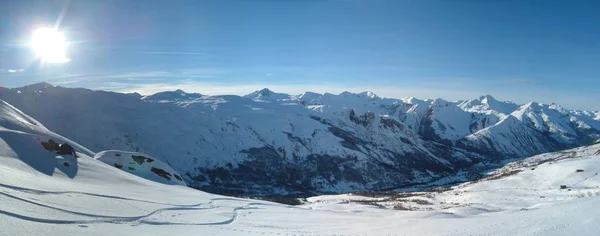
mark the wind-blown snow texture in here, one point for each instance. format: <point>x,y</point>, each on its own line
<point>269,143</point>
<point>39,195</point>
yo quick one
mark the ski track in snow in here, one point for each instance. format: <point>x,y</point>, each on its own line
<point>121,220</point>
<point>143,219</point>
<point>42,192</point>
<point>262,229</point>
<point>132,220</point>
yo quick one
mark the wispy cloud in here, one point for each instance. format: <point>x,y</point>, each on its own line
<point>11,70</point>
<point>521,81</point>
<point>136,77</point>
<point>176,53</point>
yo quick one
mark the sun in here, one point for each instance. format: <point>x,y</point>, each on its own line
<point>50,45</point>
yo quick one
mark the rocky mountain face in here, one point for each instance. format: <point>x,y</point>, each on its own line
<point>268,143</point>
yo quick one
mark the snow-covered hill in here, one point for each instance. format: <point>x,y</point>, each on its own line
<point>40,195</point>
<point>269,143</point>
<point>530,184</point>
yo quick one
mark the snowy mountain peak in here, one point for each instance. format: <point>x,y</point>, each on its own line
<point>36,86</point>
<point>369,94</point>
<point>310,98</point>
<point>487,99</point>
<point>365,94</point>
<point>266,94</point>
<point>310,95</point>
<point>414,100</point>
<point>557,107</point>
<point>531,106</point>
<point>438,102</point>
<point>171,95</point>
<point>488,104</point>
<point>346,94</point>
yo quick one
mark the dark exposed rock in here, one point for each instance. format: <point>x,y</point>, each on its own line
<point>292,201</point>
<point>66,149</point>
<point>563,186</point>
<point>140,159</point>
<point>51,145</point>
<point>161,173</point>
<point>118,166</point>
<point>350,140</point>
<point>392,124</point>
<point>295,139</point>
<point>178,177</point>
<point>426,129</point>
<point>364,119</point>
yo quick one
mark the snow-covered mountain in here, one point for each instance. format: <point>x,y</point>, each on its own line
<point>41,195</point>
<point>273,143</point>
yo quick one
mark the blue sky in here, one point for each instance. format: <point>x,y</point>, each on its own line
<point>515,50</point>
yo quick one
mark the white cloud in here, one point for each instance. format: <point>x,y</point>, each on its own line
<point>139,76</point>
<point>178,53</point>
<point>521,81</point>
<point>11,70</point>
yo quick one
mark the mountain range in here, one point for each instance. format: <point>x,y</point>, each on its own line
<point>268,143</point>
<point>44,191</point>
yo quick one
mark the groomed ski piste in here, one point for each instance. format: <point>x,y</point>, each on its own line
<point>41,195</point>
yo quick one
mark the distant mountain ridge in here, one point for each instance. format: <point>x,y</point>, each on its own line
<point>280,144</point>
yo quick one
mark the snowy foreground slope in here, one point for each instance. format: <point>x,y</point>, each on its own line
<point>39,195</point>
<point>528,184</point>
<point>268,143</point>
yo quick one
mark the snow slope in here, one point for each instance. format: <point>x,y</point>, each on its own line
<point>530,184</point>
<point>40,196</point>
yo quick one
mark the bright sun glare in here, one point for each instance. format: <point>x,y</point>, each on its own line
<point>50,45</point>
